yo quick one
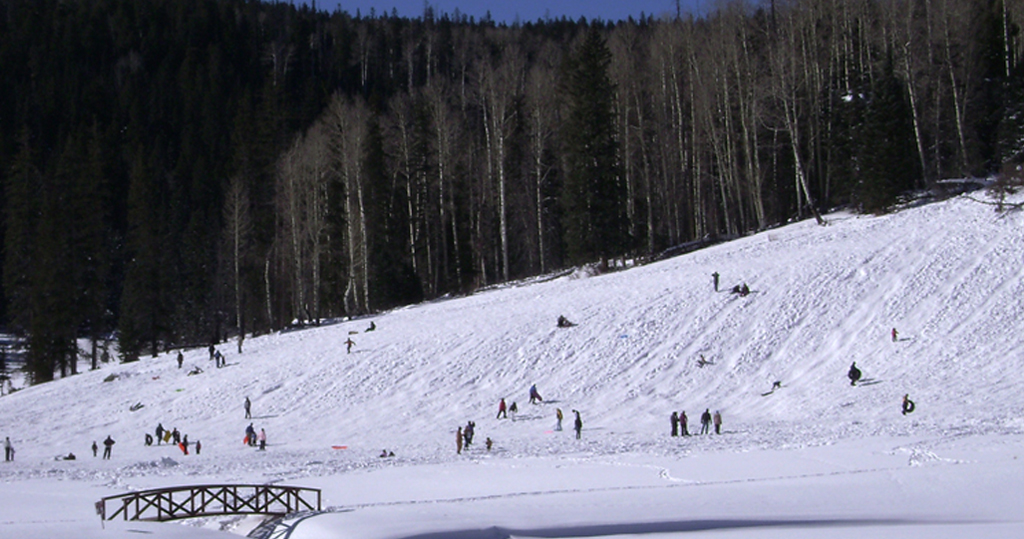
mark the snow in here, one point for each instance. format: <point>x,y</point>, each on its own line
<point>815,456</point>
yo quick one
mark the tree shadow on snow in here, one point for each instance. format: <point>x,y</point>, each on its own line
<point>641,528</point>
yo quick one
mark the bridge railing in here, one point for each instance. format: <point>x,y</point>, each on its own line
<point>193,501</point>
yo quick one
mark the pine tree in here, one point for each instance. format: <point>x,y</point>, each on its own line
<point>887,163</point>
<point>593,195</point>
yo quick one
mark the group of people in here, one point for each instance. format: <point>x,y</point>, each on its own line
<point>252,438</point>
<point>679,423</point>
<point>175,437</point>
<point>215,355</point>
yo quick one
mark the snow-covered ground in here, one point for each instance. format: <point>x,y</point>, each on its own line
<point>816,456</point>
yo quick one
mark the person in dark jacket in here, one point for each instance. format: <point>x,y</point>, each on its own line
<point>107,444</point>
<point>95,448</point>
<point>159,433</point>
<point>854,374</point>
<point>705,422</point>
<point>577,424</point>
<point>248,405</point>
<point>675,423</point>
<point>682,424</point>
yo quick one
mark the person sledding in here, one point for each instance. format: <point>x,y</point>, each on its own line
<point>535,397</point>
<point>564,322</point>
<point>908,405</point>
<point>854,374</point>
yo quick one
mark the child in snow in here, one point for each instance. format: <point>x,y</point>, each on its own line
<point>263,439</point>
<point>718,422</point>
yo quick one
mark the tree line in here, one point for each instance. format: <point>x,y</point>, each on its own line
<point>174,173</point>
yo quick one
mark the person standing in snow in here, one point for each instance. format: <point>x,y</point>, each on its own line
<point>107,444</point>
<point>176,436</point>
<point>577,424</point>
<point>715,277</point>
<point>248,405</point>
<point>534,395</point>
<point>263,439</point>
<point>211,349</point>
<point>682,424</point>
<point>718,422</point>
<point>95,448</point>
<point>184,444</point>
<point>558,419</point>
<point>468,432</point>
<point>199,446</point>
<point>502,410</point>
<point>250,435</point>
<point>348,345</point>
<point>159,433</point>
<point>458,442</point>
<point>894,334</point>
<point>8,449</point>
<point>705,422</point>
<point>675,423</point>
<point>181,359</point>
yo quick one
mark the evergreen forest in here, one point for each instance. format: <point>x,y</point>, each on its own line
<point>177,173</point>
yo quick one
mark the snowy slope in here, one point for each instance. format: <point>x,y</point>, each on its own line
<point>946,275</point>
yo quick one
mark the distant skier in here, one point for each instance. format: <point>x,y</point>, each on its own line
<point>675,423</point>
<point>502,410</point>
<point>577,424</point>
<point>894,335</point>
<point>682,424</point>
<point>854,374</point>
<point>248,405</point>
<point>107,444</point>
<point>458,441</point>
<point>558,419</point>
<point>534,395</point>
<point>705,422</point>
<point>717,419</point>
<point>348,345</point>
<point>908,405</point>
<point>701,363</point>
<point>715,277</point>
<point>262,437</point>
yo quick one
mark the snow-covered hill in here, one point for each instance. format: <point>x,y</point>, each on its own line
<point>946,275</point>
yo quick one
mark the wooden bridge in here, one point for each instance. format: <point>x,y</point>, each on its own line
<point>209,500</point>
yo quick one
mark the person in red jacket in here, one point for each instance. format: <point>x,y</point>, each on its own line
<point>502,410</point>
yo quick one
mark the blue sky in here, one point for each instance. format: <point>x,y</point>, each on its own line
<point>526,10</point>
